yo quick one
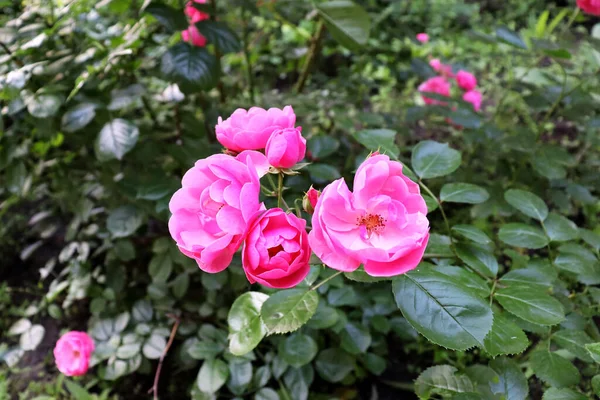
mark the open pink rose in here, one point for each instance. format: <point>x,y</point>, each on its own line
<point>437,85</point>
<point>250,130</point>
<point>72,353</point>
<point>474,97</point>
<point>445,70</point>
<point>382,224</point>
<point>286,147</point>
<point>590,6</point>
<point>466,80</point>
<point>211,211</point>
<point>276,251</point>
<point>192,34</point>
<point>423,37</point>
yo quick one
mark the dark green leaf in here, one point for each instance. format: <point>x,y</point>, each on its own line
<point>505,338</point>
<point>78,117</point>
<point>240,376</point>
<point>528,203</point>
<point>356,339</point>
<point>117,138</point>
<point>553,369</point>
<point>219,34</point>
<point>531,304</point>
<point>466,278</point>
<point>522,235</point>
<point>560,229</point>
<point>527,276</point>
<point>170,18</point>
<point>123,221</point>
<point>382,140</point>
<point>574,341</point>
<point>432,159</point>
<point>512,384</point>
<point>347,22</point>
<point>298,350</point>
<point>189,65</point>
<point>442,379</point>
<point>375,364</point>
<point>594,351</point>
<point>78,392</point>
<point>562,394</point>
<point>205,349</point>
<point>478,259</point>
<point>160,267</point>
<point>287,310</point>
<point>472,233</point>
<point>510,37</point>
<point>334,364</point>
<point>322,146</point>
<point>323,173</point>
<point>463,193</point>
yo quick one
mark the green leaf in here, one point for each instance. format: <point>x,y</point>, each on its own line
<point>142,311</point>
<point>382,140</point>
<point>78,392</point>
<point>562,394</point>
<point>266,394</point>
<point>78,117</point>
<point>463,193</point>
<point>325,317</point>
<point>323,173</point>
<point>512,383</point>
<point>596,385</point>
<point>123,221</point>
<point>190,66</point>
<point>154,347</point>
<point>472,233</point>
<point>322,146</point>
<point>510,37</point>
<point>442,310</point>
<point>477,258</point>
<point>205,349</point>
<point>560,229</point>
<point>31,338</point>
<point>344,296</point>
<point>553,369</point>
<point>574,263</point>
<point>129,350</point>
<point>432,159</point>
<point>375,364</point>
<point>20,326</point>
<point>117,138</point>
<point>212,375</point>
<point>160,267</point>
<point>123,98</point>
<point>356,339</point>
<point>505,338</point>
<point>527,276</point>
<point>594,351</point>
<point>442,379</point>
<point>574,341</point>
<point>287,310</point>
<point>334,364</point>
<point>524,236</point>
<point>246,328</point>
<point>348,23</point>
<point>219,34</point>
<point>466,278</point>
<point>43,105</point>
<point>297,381</point>
<point>298,350</point>
<point>172,19</point>
<point>240,376</point>
<point>528,203</point>
<point>531,304</point>
<point>180,285</point>
<point>591,238</point>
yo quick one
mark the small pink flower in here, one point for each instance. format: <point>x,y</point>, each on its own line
<point>382,224</point>
<point>590,6</point>
<point>466,80</point>
<point>474,97</point>
<point>193,13</point>
<point>286,147</point>
<point>276,251</point>
<point>211,212</point>
<point>423,37</point>
<point>437,85</point>
<point>72,353</point>
<point>444,69</point>
<point>250,130</point>
<point>309,201</point>
<point>192,35</point>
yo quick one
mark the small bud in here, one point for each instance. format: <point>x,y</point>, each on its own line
<point>309,202</point>
<point>373,154</point>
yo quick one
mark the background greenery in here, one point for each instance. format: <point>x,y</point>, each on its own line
<point>95,137</point>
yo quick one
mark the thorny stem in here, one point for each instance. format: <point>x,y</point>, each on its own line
<point>324,281</point>
<point>162,357</point>
<point>312,55</point>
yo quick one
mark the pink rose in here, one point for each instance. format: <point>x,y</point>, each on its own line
<point>310,200</point>
<point>423,37</point>
<point>466,80</point>
<point>193,13</point>
<point>437,85</point>
<point>250,130</point>
<point>211,211</point>
<point>72,353</point>
<point>382,224</point>
<point>285,147</point>
<point>590,6</point>
<point>192,35</point>
<point>445,70</point>
<point>276,251</point>
<point>474,97</point>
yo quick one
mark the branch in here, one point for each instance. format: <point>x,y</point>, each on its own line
<point>312,54</point>
<point>162,357</point>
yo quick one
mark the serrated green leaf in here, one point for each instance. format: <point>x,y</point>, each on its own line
<point>527,276</point>
<point>463,193</point>
<point>553,369</point>
<point>531,304</point>
<point>219,34</point>
<point>212,375</point>
<point>512,383</point>
<point>466,278</point>
<point>245,323</point>
<point>348,23</point>
<point>574,341</point>
<point>477,258</point>
<point>442,379</point>
<point>190,66</point>
<point>472,233</point>
<point>287,310</point>
<point>432,159</point>
<point>505,338</point>
<point>521,235</point>
<point>562,394</point>
<point>442,310</point>
<point>528,203</point>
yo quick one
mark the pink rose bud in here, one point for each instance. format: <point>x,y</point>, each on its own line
<point>286,147</point>
<point>437,85</point>
<point>589,6</point>
<point>276,251</point>
<point>474,97</point>
<point>72,353</point>
<point>423,37</point>
<point>373,154</point>
<point>445,70</point>
<point>211,212</point>
<point>309,202</point>
<point>466,80</point>
<point>381,224</point>
<point>251,130</point>
<point>192,35</point>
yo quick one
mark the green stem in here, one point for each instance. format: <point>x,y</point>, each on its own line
<point>312,55</point>
<point>279,189</point>
<point>492,292</point>
<point>324,281</point>
<point>439,203</point>
<point>563,94</point>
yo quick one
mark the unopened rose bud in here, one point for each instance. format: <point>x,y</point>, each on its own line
<point>309,201</point>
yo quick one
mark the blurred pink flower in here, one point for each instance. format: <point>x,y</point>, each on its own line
<point>192,34</point>
<point>445,70</point>
<point>466,80</point>
<point>590,6</point>
<point>474,97</point>
<point>437,85</point>
<point>423,37</point>
<point>72,353</point>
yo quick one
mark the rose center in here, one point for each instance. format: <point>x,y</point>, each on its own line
<point>76,354</point>
<point>273,251</point>
<point>373,223</point>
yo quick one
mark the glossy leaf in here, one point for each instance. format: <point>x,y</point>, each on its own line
<point>505,338</point>
<point>560,229</point>
<point>512,383</point>
<point>442,379</point>
<point>432,159</point>
<point>466,278</point>
<point>245,323</point>
<point>219,34</point>
<point>478,259</point>
<point>528,203</point>
<point>356,339</point>
<point>78,117</point>
<point>531,304</point>
<point>463,193</point>
<point>574,341</point>
<point>287,310</point>
<point>117,138</point>
<point>212,375</point>
<point>123,221</point>
<point>334,364</point>
<point>348,23</point>
<point>298,350</point>
<point>522,235</point>
<point>562,394</point>
<point>554,369</point>
<point>190,66</point>
<point>594,351</point>
<point>472,233</point>
<point>170,18</point>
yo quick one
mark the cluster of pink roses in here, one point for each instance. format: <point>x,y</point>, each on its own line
<point>441,85</point>
<point>191,34</point>
<point>381,225</point>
